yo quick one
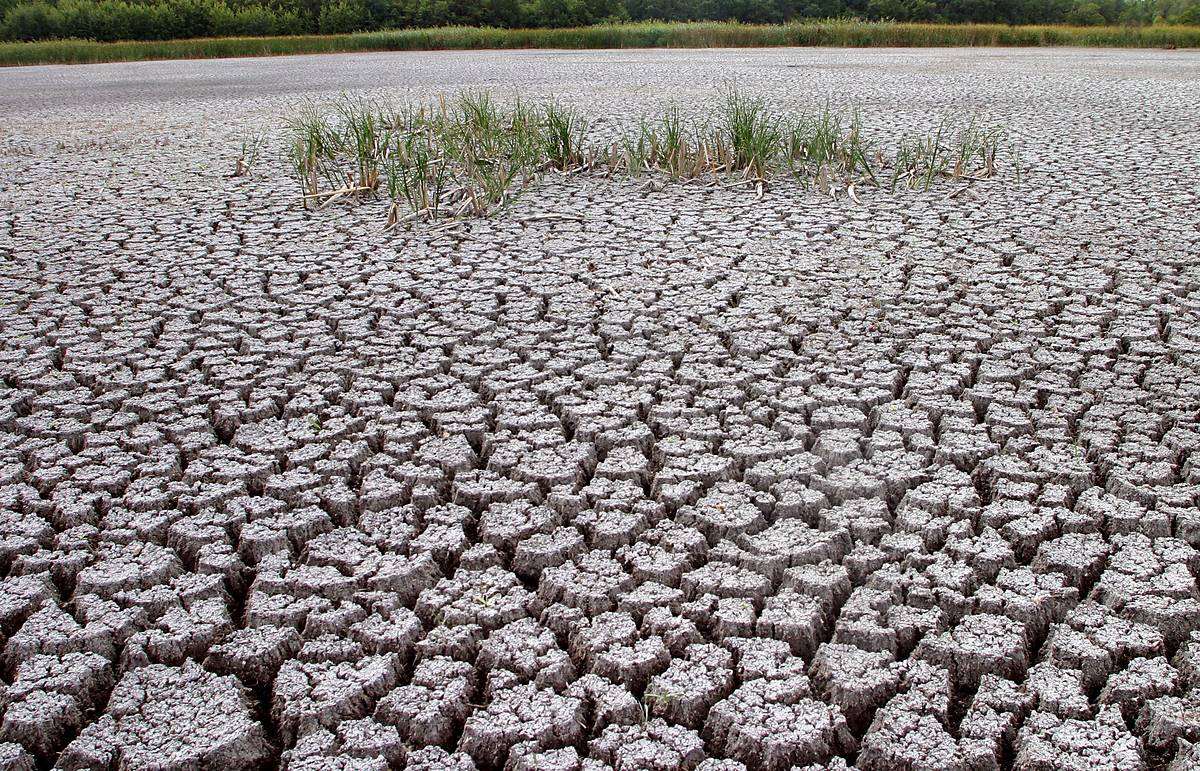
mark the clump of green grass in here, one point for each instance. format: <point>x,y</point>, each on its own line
<point>564,135</point>
<point>252,144</point>
<point>469,156</point>
<point>364,134</point>
<point>829,148</point>
<point>752,132</point>
<point>965,154</point>
<point>315,153</point>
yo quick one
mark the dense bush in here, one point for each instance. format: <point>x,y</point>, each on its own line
<point>121,20</point>
<point>107,20</point>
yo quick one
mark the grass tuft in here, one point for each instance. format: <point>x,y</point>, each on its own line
<point>469,156</point>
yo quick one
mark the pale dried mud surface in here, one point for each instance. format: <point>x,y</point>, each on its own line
<point>697,482</point>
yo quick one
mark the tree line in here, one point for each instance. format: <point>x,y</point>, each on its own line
<point>107,20</point>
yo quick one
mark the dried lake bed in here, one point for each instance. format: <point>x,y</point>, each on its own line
<point>618,478</point>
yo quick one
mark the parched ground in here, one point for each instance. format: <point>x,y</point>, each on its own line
<point>697,482</point>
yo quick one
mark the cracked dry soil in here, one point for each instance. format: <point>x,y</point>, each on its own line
<point>700,482</point>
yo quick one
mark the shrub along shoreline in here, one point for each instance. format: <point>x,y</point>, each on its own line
<point>856,34</point>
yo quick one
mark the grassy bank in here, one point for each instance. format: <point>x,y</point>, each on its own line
<point>642,35</point>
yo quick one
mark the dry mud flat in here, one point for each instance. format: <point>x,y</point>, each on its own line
<point>701,482</point>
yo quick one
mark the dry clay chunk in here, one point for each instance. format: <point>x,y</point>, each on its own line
<point>172,719</point>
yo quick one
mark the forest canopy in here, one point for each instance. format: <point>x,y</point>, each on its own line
<point>106,20</point>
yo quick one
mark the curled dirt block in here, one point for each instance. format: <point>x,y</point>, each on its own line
<point>904,738</point>
<point>171,718</point>
<point>528,650</point>
<point>758,658</point>
<point>722,579</point>
<point>676,631</point>
<point>1141,681</point>
<point>986,553</point>
<point>796,500</point>
<point>52,631</point>
<point>775,724</point>
<point>1164,721</point>
<point>490,598</point>
<point>649,596</point>
<point>395,630</point>
<point>346,548</point>
<point>308,695</point>
<point>254,654</point>
<point>432,708</point>
<point>1058,691</point>
<point>612,646</point>
<point>856,681</point>
<point>798,468</point>
<point>651,746</point>
<point>528,757</point>
<point>358,744</point>
<point>546,550</point>
<point>129,567</point>
<point>459,642</point>
<point>1079,557</point>
<point>1118,515</point>
<point>445,536</point>
<point>1047,743</point>
<point>481,488</point>
<point>481,556</point>
<point>13,757</point>
<point>179,633</point>
<point>864,560</point>
<point>728,510</point>
<point>785,544</point>
<point>990,724</point>
<point>734,617</point>
<point>827,582</point>
<point>329,648</point>
<point>664,553</point>
<point>1175,617</point>
<point>866,520</point>
<point>1162,566</point>
<point>523,713</point>
<point>1034,599</point>
<point>438,759</point>
<point>279,576</point>
<point>912,625</point>
<point>607,495</point>
<point>391,530</point>
<point>591,583</point>
<point>624,463</point>
<point>605,703</point>
<point>690,685</point>
<point>612,528</point>
<point>506,524</point>
<point>1024,525</point>
<point>862,622</point>
<point>797,619</point>
<point>47,701</point>
<point>978,645</point>
<point>1097,642</point>
<point>407,576</point>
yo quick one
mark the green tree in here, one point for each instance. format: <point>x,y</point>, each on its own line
<point>1085,14</point>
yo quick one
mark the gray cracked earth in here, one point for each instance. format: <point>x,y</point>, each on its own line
<point>701,482</point>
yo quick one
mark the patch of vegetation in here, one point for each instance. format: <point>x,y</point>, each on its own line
<point>469,156</point>
<point>111,20</point>
<point>850,33</point>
